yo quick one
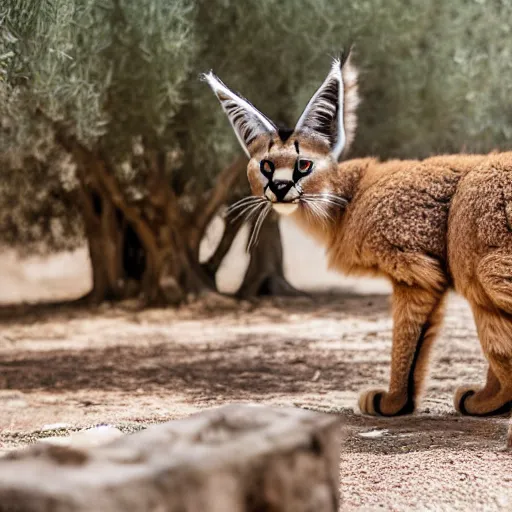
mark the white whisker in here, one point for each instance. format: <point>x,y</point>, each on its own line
<point>248,211</point>
<point>246,199</point>
<point>328,198</point>
<point>323,207</point>
<point>255,230</point>
<point>321,211</point>
<point>255,212</point>
<point>243,202</point>
<point>330,202</point>
<point>253,241</point>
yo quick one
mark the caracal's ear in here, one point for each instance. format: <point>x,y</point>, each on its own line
<point>247,121</point>
<point>331,112</point>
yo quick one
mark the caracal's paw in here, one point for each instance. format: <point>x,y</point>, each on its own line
<point>475,401</point>
<point>461,395</point>
<point>378,402</point>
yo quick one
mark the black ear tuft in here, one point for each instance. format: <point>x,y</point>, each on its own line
<point>330,114</point>
<point>344,55</point>
<point>284,133</point>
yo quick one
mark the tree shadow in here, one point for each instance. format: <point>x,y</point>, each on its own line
<point>237,370</point>
<point>315,304</point>
<point>249,370</point>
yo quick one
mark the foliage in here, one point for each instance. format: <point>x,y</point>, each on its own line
<point>435,77</point>
<point>109,70</point>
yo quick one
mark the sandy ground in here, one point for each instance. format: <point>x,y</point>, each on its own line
<point>64,369</point>
<point>129,369</point>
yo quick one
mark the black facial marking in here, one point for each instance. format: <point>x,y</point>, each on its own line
<point>284,134</point>
<point>296,144</point>
<point>270,144</point>
<point>344,55</point>
<point>267,168</point>
<point>300,170</point>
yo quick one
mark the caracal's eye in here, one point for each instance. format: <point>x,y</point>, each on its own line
<point>305,166</point>
<point>267,168</point>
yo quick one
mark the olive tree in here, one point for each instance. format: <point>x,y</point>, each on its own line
<point>108,134</point>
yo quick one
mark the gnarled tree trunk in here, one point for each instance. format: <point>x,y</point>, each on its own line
<point>147,249</point>
<point>150,249</point>
<point>136,250</point>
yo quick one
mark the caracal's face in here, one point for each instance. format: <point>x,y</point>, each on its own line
<point>289,173</point>
<point>294,170</point>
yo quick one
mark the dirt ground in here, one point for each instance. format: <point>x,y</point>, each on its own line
<point>64,369</point>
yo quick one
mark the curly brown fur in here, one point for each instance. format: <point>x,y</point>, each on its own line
<point>428,226</point>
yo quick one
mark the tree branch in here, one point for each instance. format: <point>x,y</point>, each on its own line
<point>214,262</point>
<point>219,195</point>
<point>131,213</point>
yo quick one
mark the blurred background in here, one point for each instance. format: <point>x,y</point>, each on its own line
<point>117,162</point>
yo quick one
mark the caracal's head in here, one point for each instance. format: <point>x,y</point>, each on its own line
<point>294,170</point>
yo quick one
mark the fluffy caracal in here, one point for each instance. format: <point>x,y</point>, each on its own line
<point>428,226</point>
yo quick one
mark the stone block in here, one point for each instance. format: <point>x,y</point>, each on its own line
<point>236,458</point>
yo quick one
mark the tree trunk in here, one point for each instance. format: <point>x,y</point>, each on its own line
<point>143,249</point>
<point>265,273</point>
<point>151,250</point>
<point>136,250</point>
<point>101,231</point>
<point>116,255</point>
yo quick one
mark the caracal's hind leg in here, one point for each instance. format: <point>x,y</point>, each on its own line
<point>482,401</point>
<point>417,314</point>
<point>495,333</point>
<point>492,388</point>
<point>492,309</point>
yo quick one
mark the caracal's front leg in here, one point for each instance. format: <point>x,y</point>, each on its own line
<point>417,314</point>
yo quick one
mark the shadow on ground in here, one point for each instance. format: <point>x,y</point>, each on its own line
<point>130,367</point>
<point>277,308</point>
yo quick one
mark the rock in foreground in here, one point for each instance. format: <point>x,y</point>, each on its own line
<point>235,458</point>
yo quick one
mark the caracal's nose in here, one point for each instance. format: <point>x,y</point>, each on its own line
<point>280,188</point>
